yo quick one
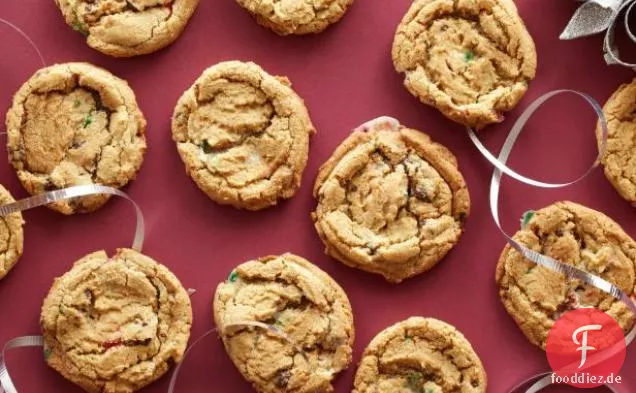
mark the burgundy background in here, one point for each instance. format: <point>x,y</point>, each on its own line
<point>346,77</point>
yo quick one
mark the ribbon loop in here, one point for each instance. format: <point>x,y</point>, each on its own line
<point>6,384</point>
<point>74,192</point>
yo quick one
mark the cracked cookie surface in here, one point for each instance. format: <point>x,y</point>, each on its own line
<point>619,160</point>
<point>75,124</point>
<point>243,135</point>
<point>11,235</point>
<point>573,234</point>
<point>306,305</point>
<point>420,355</point>
<point>114,325</point>
<point>390,201</point>
<point>296,16</point>
<point>472,60</point>
<point>124,28</point>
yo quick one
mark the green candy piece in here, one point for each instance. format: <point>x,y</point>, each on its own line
<point>525,219</point>
<point>89,119</point>
<point>47,353</point>
<point>468,56</point>
<point>414,382</point>
<point>207,149</point>
<point>233,276</point>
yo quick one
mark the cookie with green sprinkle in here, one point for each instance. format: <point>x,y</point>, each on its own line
<point>75,124</point>
<point>310,335</point>
<point>420,355</point>
<point>243,135</point>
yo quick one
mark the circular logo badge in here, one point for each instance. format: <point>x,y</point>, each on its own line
<point>586,348</point>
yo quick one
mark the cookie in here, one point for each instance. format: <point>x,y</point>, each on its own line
<point>307,307</point>
<point>115,324</point>
<point>243,135</point>
<point>75,124</point>
<point>420,355</point>
<point>536,297</point>
<point>472,60</point>
<point>125,28</point>
<point>619,160</point>
<point>390,201</point>
<point>11,235</point>
<point>298,17</point>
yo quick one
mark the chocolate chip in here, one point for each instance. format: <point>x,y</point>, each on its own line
<point>282,379</point>
<point>559,232</point>
<point>418,191</point>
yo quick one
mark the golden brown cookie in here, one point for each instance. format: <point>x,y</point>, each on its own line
<point>75,124</point>
<point>420,355</point>
<point>472,60</point>
<point>573,234</point>
<point>390,201</point>
<point>296,16</point>
<point>11,235</point>
<point>115,324</point>
<point>308,308</point>
<point>243,135</point>
<point>124,28</point>
<point>619,159</point>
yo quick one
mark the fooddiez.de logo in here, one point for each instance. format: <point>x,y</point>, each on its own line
<point>586,348</point>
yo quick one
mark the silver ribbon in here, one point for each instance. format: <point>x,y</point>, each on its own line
<point>74,192</point>
<point>26,37</point>
<point>533,256</point>
<point>597,16</point>
<point>6,385</point>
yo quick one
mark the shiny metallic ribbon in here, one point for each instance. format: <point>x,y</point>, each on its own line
<point>533,256</point>
<point>270,328</point>
<point>596,16</point>
<point>6,385</point>
<point>26,37</point>
<point>74,192</point>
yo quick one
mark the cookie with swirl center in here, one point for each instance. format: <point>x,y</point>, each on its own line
<point>472,60</point>
<point>420,355</point>
<point>125,28</point>
<point>298,17</point>
<point>115,324</point>
<point>75,124</point>
<point>310,313</point>
<point>573,234</point>
<point>390,201</point>
<point>243,135</point>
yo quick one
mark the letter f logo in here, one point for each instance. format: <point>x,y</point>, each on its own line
<point>583,344</point>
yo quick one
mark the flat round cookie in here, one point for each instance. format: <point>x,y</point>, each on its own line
<point>573,234</point>
<point>619,160</point>
<point>308,308</point>
<point>125,28</point>
<point>298,17</point>
<point>243,135</point>
<point>420,355</point>
<point>472,60</point>
<point>75,124</point>
<point>115,324</point>
<point>11,235</point>
<point>390,201</point>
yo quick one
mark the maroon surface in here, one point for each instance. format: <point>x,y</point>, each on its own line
<point>346,77</point>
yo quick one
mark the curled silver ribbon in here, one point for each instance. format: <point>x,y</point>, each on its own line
<point>533,256</point>
<point>6,385</point>
<point>596,16</point>
<point>269,328</point>
<point>74,192</point>
<point>26,37</point>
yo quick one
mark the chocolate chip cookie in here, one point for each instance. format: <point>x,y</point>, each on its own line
<point>390,201</point>
<point>420,355</point>
<point>243,135</point>
<point>619,159</point>
<point>11,235</point>
<point>308,308</point>
<point>124,28</point>
<point>115,324</point>
<point>75,124</point>
<point>472,60</point>
<point>573,234</point>
<point>296,16</point>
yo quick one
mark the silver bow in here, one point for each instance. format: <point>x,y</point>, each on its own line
<point>596,16</point>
